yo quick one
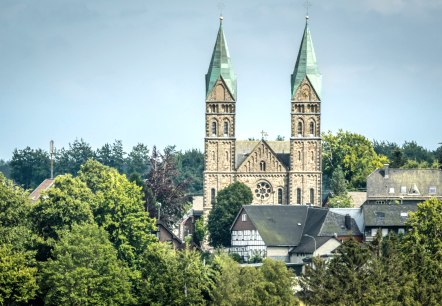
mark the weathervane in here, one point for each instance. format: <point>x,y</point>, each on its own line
<point>307,5</point>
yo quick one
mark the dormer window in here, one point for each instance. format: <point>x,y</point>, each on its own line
<point>432,190</point>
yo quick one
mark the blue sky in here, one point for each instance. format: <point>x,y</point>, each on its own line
<point>134,70</point>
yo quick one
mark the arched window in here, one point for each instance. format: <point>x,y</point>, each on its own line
<point>299,155</point>
<point>299,128</point>
<point>226,128</point>
<point>312,129</point>
<point>213,128</point>
<point>298,196</point>
<point>279,195</point>
<point>312,196</point>
<point>212,196</point>
<point>262,166</point>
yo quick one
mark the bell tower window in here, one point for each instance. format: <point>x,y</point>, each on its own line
<point>213,128</point>
<point>279,195</point>
<point>262,166</point>
<point>226,128</point>
<point>299,129</point>
<point>312,196</point>
<point>312,129</point>
<point>212,196</point>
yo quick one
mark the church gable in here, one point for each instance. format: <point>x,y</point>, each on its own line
<point>220,92</point>
<point>306,92</point>
<point>262,159</point>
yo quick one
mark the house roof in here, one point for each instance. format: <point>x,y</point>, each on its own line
<point>287,225</point>
<point>46,184</point>
<point>387,182</point>
<point>386,214</point>
<point>245,147</point>
<point>357,198</point>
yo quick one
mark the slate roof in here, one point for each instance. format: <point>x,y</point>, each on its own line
<point>245,147</point>
<point>45,185</point>
<point>357,198</point>
<point>386,215</point>
<point>286,225</point>
<point>416,181</point>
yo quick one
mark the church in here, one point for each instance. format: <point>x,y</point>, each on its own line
<point>277,172</point>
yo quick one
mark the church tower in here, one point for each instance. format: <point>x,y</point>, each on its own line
<point>305,142</point>
<point>219,142</point>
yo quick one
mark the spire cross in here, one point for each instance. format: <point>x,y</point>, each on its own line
<point>221,6</point>
<point>263,134</point>
<point>307,5</point>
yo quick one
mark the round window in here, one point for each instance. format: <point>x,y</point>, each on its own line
<point>263,190</point>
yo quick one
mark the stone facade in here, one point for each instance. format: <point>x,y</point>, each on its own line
<point>277,172</point>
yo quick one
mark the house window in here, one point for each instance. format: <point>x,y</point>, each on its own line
<point>384,232</point>
<point>312,196</point>
<point>432,190</point>
<point>391,190</point>
<point>212,196</point>
<point>401,231</point>
<point>213,128</point>
<point>279,195</point>
<point>299,129</point>
<point>244,217</point>
<point>298,196</point>
<point>374,231</point>
<point>403,189</point>
<point>262,166</point>
<point>226,128</point>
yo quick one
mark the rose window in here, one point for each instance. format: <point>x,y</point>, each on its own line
<point>263,190</point>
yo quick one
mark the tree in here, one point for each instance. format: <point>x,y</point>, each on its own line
<point>190,166</point>
<point>385,148</point>
<point>112,155</point>
<point>85,270</point>
<point>138,161</point>
<point>161,186</point>
<point>341,201</point>
<point>228,203</point>
<point>354,153</point>
<point>423,246</point>
<point>338,183</point>
<point>412,151</point>
<point>70,160</point>
<point>17,276</point>
<point>172,277</point>
<point>30,167</point>
<point>66,203</point>
<point>118,208</point>
<point>397,159</point>
<point>200,231</point>
<point>438,155</point>
<point>5,168</point>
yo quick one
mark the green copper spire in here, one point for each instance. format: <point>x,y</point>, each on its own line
<point>306,64</point>
<point>220,65</point>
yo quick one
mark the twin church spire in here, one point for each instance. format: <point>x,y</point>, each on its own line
<point>221,65</point>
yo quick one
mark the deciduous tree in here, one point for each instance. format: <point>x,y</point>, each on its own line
<point>228,203</point>
<point>29,167</point>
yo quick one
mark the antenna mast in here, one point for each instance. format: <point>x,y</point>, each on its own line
<point>51,152</point>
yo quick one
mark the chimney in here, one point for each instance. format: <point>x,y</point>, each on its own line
<point>386,171</point>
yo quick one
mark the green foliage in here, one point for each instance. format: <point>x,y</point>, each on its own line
<point>354,153</point>
<point>271,284</point>
<point>200,231</point>
<point>29,167</point>
<point>70,160</point>
<point>138,161</point>
<point>341,201</point>
<point>338,184</point>
<point>112,155</point>
<point>85,270</point>
<point>190,165</point>
<point>161,186</point>
<point>17,276</point>
<point>5,168</point>
<point>118,208</point>
<point>228,203</point>
<point>173,277</point>
<point>66,203</point>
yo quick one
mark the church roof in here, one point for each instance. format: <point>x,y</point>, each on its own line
<point>306,65</point>
<point>245,147</point>
<point>220,65</point>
